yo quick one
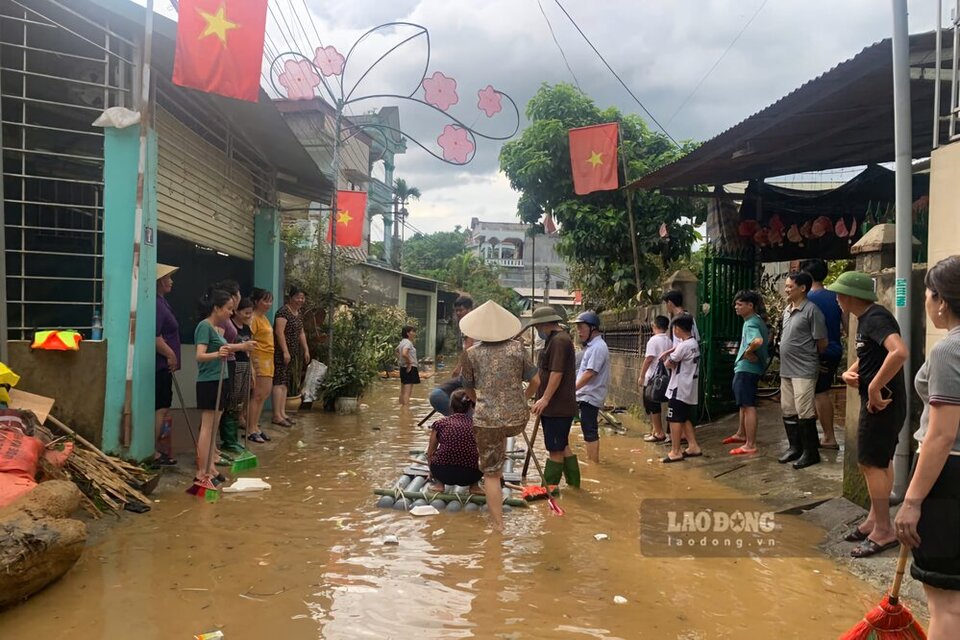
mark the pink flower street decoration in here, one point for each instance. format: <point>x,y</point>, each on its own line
<point>456,144</point>
<point>440,91</point>
<point>299,79</point>
<point>329,61</point>
<point>489,101</point>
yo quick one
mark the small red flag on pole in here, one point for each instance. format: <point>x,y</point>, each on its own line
<point>593,158</point>
<point>220,47</point>
<point>351,210</point>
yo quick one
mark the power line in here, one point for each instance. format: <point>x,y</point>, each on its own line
<point>615,75</point>
<point>719,60</point>
<point>557,42</point>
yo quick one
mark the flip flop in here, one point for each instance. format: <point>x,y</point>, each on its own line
<point>869,548</point>
<point>742,451</point>
<point>830,447</point>
<point>266,438</point>
<point>280,423</point>
<point>652,438</point>
<point>692,455</point>
<point>256,437</point>
<point>733,440</point>
<point>856,535</point>
<point>669,460</point>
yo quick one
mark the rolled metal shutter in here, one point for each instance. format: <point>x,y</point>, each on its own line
<point>202,195</point>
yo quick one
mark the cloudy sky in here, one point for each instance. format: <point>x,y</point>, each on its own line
<point>662,50</point>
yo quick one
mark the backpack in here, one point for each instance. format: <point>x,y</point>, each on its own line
<point>656,389</point>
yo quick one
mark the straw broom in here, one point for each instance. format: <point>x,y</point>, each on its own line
<point>889,620</point>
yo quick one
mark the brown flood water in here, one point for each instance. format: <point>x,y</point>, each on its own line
<point>305,560</point>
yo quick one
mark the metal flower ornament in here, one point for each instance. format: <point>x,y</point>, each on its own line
<point>300,77</point>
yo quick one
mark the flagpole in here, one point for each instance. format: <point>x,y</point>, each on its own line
<point>633,233</point>
<point>126,420</point>
<point>333,229</point>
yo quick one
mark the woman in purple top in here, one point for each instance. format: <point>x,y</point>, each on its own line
<point>452,452</point>
<point>168,361</point>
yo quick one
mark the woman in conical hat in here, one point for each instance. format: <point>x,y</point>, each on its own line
<point>493,374</point>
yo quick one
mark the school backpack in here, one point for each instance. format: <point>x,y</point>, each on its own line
<point>656,389</point>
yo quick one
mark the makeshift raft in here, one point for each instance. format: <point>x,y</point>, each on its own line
<point>411,490</point>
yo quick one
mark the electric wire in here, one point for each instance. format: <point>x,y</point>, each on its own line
<point>557,42</point>
<point>616,75</point>
<point>719,60</point>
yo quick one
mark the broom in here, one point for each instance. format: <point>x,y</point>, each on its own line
<point>889,620</point>
<point>205,488</point>
<point>554,506</point>
<point>246,460</point>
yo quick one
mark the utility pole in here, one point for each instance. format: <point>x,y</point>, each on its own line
<point>546,285</point>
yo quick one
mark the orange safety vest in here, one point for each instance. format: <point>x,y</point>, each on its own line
<point>57,340</point>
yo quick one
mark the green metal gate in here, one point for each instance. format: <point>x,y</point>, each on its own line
<point>720,329</point>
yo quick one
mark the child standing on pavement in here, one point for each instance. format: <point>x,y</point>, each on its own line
<point>452,451</point>
<point>683,361</point>
<point>658,343</point>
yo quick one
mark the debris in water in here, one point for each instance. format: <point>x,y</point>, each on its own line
<point>600,536</point>
<point>391,539</point>
<point>619,600</point>
<point>213,635</point>
<point>308,488</point>
<point>300,444</point>
<point>440,532</point>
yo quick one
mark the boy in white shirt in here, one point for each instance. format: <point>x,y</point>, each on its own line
<point>684,361</point>
<point>657,345</point>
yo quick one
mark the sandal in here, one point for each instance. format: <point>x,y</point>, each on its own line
<point>734,440</point>
<point>835,446</point>
<point>256,437</point>
<point>654,438</point>
<point>742,451</point>
<point>869,548</point>
<point>692,455</point>
<point>856,535</point>
<point>669,460</point>
<point>280,423</point>
<point>266,437</point>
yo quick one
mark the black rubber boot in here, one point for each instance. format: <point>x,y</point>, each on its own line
<point>792,427</point>
<point>810,440</point>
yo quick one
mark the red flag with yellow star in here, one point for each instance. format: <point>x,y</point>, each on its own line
<point>220,46</point>
<point>593,158</point>
<point>351,209</point>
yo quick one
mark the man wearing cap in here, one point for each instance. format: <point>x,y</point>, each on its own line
<point>556,403</point>
<point>878,374</point>
<point>168,357</point>
<point>593,376</point>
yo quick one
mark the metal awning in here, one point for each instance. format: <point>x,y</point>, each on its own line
<point>843,118</point>
<point>262,124</point>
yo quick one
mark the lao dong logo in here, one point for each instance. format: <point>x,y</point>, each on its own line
<point>720,522</point>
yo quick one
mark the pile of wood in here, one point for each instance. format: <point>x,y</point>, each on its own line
<point>38,540</point>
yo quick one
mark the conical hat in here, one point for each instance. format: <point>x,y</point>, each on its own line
<point>490,323</point>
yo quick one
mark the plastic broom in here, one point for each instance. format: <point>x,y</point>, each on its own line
<point>889,620</point>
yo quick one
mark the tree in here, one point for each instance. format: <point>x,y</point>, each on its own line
<point>404,193</point>
<point>428,253</point>
<point>467,273</point>
<point>594,230</point>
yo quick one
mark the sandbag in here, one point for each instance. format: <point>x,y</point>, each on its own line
<point>19,457</point>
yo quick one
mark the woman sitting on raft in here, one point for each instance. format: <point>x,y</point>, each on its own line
<point>452,451</point>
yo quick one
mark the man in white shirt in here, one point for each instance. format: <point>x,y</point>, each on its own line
<point>660,342</point>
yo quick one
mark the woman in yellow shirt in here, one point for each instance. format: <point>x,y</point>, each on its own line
<point>261,360</point>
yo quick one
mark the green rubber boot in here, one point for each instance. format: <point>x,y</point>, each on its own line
<point>229,442</point>
<point>552,473</point>
<point>571,469</point>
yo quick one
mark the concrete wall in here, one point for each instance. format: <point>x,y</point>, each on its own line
<point>75,379</point>
<point>944,231</point>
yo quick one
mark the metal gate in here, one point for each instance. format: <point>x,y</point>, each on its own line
<point>720,328</point>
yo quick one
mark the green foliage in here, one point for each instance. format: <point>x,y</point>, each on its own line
<point>364,342</point>
<point>594,228</point>
<point>429,253</point>
<point>835,268</point>
<point>404,192</point>
<point>466,272</point>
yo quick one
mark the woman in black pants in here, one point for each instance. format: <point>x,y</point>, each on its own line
<point>452,453</point>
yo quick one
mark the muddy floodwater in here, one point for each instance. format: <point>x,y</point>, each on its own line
<point>307,559</point>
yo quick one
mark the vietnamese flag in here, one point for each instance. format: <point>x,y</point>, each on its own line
<point>593,158</point>
<point>351,210</point>
<point>220,46</point>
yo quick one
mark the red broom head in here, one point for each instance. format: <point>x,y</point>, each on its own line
<point>887,621</point>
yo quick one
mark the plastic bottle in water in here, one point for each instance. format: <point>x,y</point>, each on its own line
<point>96,332</point>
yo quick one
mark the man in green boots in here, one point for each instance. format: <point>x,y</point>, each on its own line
<point>556,403</point>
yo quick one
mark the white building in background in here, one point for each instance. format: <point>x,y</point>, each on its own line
<point>525,263</point>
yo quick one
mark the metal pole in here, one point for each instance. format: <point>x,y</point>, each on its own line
<point>533,284</point>
<point>126,425</point>
<point>952,129</point>
<point>333,231</point>
<point>903,149</point>
<point>936,85</point>
<point>629,197</point>
<point>4,336</point>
